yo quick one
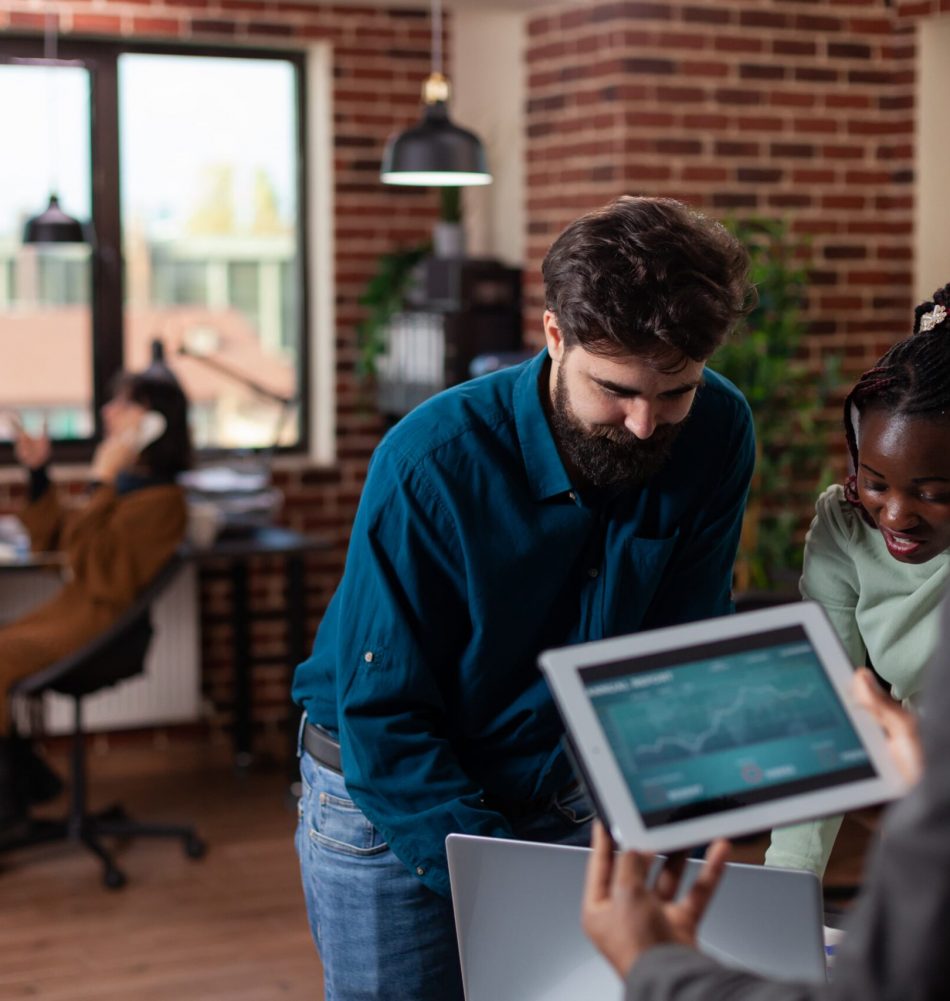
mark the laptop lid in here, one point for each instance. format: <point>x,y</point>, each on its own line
<point>517,917</point>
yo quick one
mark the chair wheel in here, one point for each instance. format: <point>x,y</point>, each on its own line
<point>195,847</point>
<point>114,878</point>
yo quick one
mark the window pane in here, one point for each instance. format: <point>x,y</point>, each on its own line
<point>209,213</point>
<point>45,290</point>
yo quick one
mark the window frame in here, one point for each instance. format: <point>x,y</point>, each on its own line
<point>101,59</point>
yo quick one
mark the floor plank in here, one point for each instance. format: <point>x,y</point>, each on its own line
<point>231,925</point>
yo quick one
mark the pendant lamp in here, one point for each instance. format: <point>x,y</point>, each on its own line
<point>435,152</point>
<point>52,225</point>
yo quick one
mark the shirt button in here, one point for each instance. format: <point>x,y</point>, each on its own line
<point>420,870</point>
<point>368,656</point>
<point>593,572</point>
<point>572,495</point>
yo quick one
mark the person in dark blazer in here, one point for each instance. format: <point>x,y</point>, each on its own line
<point>896,944</point>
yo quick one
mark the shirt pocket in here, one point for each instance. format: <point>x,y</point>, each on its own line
<point>643,564</point>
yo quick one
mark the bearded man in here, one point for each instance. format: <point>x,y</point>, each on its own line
<point>595,490</point>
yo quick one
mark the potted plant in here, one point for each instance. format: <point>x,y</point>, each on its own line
<point>385,293</point>
<point>788,397</point>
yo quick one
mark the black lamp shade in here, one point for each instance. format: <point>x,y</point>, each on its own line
<point>435,152</point>
<point>53,226</point>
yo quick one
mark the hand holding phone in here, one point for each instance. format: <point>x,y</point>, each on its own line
<point>151,427</point>
<point>121,449</point>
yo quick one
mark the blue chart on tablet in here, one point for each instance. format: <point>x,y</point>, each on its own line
<point>696,731</point>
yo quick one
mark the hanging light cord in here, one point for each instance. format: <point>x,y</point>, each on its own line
<point>52,102</point>
<point>437,36</point>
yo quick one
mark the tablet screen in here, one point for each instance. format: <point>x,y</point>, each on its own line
<point>700,730</point>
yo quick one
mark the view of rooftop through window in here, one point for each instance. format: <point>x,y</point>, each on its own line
<point>45,316</point>
<point>210,242</point>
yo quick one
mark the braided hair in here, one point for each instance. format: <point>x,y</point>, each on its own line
<point>911,380</point>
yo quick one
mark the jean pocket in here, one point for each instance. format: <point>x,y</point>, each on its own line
<point>340,826</point>
<point>573,805</point>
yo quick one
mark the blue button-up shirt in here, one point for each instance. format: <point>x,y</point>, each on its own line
<point>471,553</point>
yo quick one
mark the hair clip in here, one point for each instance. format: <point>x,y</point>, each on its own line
<point>936,316</point>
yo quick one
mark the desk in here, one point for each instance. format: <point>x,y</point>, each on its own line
<point>238,551</point>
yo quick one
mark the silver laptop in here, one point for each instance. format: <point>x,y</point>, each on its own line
<point>517,916</point>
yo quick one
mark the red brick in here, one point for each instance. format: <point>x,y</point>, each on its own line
<point>842,152</point>
<point>816,175</point>
<point>737,43</point>
<point>707,69</point>
<point>716,174</point>
<point>156,26</point>
<point>736,95</point>
<point>826,126</point>
<point>680,95</point>
<point>705,120</point>
<point>755,71</point>
<point>97,24</point>
<point>762,19</point>
<point>794,47</point>
<point>760,123</point>
<point>681,40</point>
<point>847,101</point>
<point>26,19</point>
<point>792,99</point>
<point>707,15</point>
<point>759,175</point>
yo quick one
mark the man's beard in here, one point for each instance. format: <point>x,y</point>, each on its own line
<point>607,456</point>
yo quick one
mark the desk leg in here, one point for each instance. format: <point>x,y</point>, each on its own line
<point>242,664</point>
<point>296,642</point>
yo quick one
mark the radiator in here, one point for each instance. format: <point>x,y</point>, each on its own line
<point>170,689</point>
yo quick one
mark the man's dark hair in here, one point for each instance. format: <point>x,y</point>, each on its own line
<point>647,276</point>
<point>911,380</point>
<point>169,454</point>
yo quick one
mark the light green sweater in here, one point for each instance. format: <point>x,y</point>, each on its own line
<point>885,612</point>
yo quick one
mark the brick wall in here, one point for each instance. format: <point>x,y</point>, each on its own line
<point>786,108</point>
<point>380,58</point>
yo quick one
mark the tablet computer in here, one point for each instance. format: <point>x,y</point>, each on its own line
<point>720,728</point>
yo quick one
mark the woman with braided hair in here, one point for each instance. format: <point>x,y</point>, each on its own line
<point>877,555</point>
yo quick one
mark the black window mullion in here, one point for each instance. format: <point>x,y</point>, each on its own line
<point>107,300</point>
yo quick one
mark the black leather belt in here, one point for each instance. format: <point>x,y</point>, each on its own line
<point>523,809</point>
<point>322,747</point>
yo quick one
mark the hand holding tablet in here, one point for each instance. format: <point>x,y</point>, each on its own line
<point>719,728</point>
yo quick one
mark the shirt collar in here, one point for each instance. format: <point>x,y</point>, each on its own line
<point>546,473</point>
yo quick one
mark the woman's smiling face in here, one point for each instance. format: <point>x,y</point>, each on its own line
<point>903,482</point>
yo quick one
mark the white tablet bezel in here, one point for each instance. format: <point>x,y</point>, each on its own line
<point>563,670</point>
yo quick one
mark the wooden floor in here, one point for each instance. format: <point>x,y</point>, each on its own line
<point>231,925</point>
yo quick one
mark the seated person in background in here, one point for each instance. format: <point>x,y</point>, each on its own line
<point>129,527</point>
<point>876,556</point>
<point>896,942</point>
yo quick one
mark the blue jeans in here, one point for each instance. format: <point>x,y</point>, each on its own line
<point>381,933</point>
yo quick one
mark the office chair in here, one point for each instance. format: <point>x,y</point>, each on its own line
<point>114,655</point>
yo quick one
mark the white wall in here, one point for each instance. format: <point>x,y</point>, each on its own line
<point>932,211</point>
<point>487,74</point>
